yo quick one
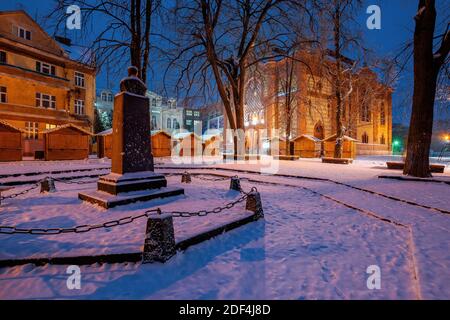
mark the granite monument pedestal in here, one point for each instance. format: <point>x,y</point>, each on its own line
<point>132,176</point>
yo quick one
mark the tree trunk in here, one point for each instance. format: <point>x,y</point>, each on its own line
<point>338,148</point>
<point>148,17</point>
<point>425,79</point>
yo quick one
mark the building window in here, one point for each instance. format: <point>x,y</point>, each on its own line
<point>31,130</point>
<point>189,122</point>
<point>79,79</point>
<point>79,107</point>
<point>365,138</point>
<point>196,113</point>
<point>382,115</point>
<point>49,126</point>
<point>189,112</point>
<point>169,123</point>
<point>45,101</point>
<point>382,139</point>
<point>45,68</point>
<point>104,96</point>
<point>22,32</point>
<point>2,57</point>
<point>365,112</point>
<point>3,95</point>
<point>110,97</point>
<point>153,102</point>
<point>176,125</point>
<point>153,123</point>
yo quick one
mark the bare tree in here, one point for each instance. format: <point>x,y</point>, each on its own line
<point>341,37</point>
<point>124,37</point>
<point>223,40</point>
<point>428,63</point>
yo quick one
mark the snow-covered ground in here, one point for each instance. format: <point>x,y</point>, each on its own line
<point>307,247</point>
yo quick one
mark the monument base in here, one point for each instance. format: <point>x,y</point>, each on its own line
<point>107,200</point>
<point>114,183</point>
<point>120,189</point>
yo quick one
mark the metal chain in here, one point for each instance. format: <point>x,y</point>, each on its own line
<point>203,213</point>
<point>14,195</point>
<point>210,179</point>
<point>69,181</point>
<point>78,229</point>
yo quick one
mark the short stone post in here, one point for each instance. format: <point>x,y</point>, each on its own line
<point>235,183</point>
<point>48,185</point>
<point>159,242</point>
<point>254,204</point>
<point>186,178</point>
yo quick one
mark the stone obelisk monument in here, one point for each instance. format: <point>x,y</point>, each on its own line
<point>132,176</point>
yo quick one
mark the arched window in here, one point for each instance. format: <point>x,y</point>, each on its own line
<point>153,102</point>
<point>365,138</point>
<point>175,123</point>
<point>169,123</point>
<point>382,115</point>
<point>365,111</point>
<point>104,96</point>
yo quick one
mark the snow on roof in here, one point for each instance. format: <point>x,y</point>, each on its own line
<point>206,137</point>
<point>69,125</point>
<point>6,124</point>
<point>333,137</point>
<point>153,132</point>
<point>105,133</point>
<point>309,137</point>
<point>182,135</point>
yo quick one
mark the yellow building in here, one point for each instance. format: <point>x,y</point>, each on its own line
<point>40,86</point>
<point>367,109</point>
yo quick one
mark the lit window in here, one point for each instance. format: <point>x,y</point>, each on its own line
<point>365,112</point>
<point>3,95</point>
<point>189,112</point>
<point>22,32</point>
<point>382,115</point>
<point>188,122</point>
<point>79,79</point>
<point>196,113</point>
<point>45,101</point>
<point>79,107</point>
<point>50,126</point>
<point>31,130</point>
<point>365,138</point>
<point>2,57</point>
<point>45,68</point>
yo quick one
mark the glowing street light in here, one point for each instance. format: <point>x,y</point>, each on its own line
<point>447,138</point>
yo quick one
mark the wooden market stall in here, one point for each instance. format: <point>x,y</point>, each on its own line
<point>11,142</point>
<point>277,146</point>
<point>187,144</point>
<point>161,144</point>
<point>67,142</point>
<point>349,147</point>
<point>307,146</point>
<point>211,144</point>
<point>104,144</point>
